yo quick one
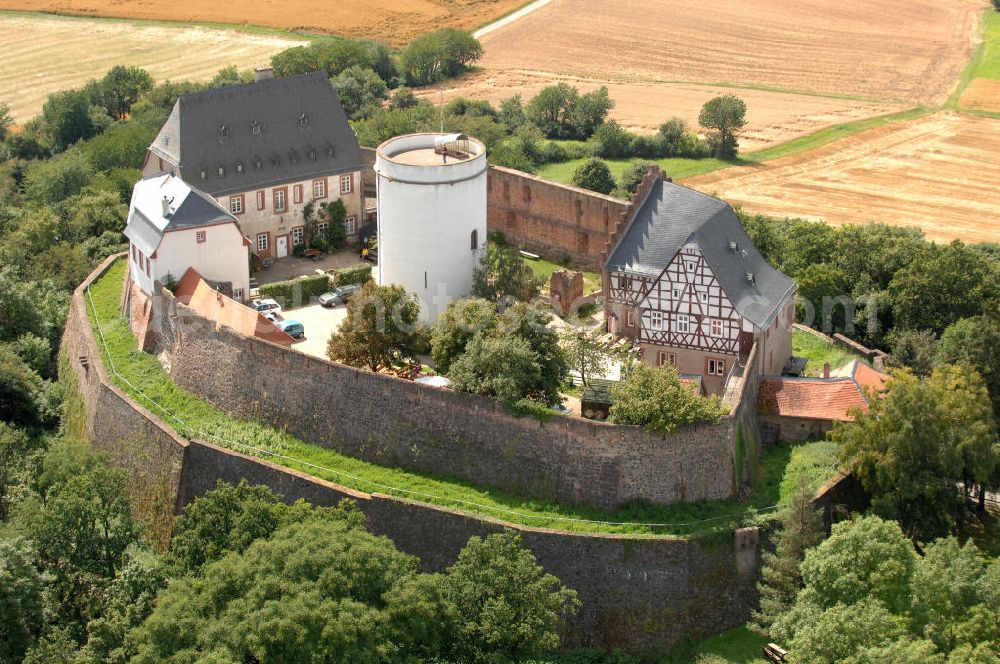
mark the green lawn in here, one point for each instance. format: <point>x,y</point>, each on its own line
<point>818,352</point>
<point>544,268</point>
<point>676,168</point>
<point>194,417</point>
<point>737,646</point>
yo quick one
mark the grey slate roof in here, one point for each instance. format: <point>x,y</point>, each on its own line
<point>260,134</point>
<point>189,208</point>
<point>673,216</point>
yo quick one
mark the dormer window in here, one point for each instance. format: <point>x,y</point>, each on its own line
<point>255,128</point>
<point>293,157</point>
<point>223,131</point>
<point>312,154</point>
<point>303,119</point>
<point>222,171</point>
<point>329,149</point>
<point>239,167</point>
<point>275,160</point>
<point>258,163</point>
<point>203,174</point>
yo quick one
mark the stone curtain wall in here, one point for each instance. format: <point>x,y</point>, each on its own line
<point>549,218</point>
<point>395,422</point>
<point>132,436</point>
<point>638,593</point>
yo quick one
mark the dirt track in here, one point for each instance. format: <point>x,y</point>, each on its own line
<point>42,54</point>
<point>938,172</point>
<point>772,117</point>
<point>396,22</point>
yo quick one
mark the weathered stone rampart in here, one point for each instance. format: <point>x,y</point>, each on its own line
<point>638,592</point>
<point>396,422</point>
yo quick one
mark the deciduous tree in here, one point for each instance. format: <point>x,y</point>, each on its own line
<point>595,175</point>
<point>503,274</point>
<point>454,328</point>
<point>724,117</point>
<point>655,398</point>
<point>380,328</point>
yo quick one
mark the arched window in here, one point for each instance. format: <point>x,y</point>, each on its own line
<point>475,239</point>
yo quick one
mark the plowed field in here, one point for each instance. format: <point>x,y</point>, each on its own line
<point>937,172</point>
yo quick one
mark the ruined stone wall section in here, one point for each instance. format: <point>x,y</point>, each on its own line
<point>396,422</point>
<point>552,219</point>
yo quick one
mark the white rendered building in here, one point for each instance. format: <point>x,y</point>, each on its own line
<point>173,226</point>
<point>431,215</point>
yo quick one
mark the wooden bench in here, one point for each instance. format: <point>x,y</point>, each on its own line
<point>772,652</point>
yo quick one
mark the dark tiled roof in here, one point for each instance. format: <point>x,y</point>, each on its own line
<point>673,216</point>
<point>260,134</point>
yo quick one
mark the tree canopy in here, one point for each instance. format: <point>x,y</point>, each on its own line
<point>380,328</point>
<point>656,398</point>
<point>724,117</point>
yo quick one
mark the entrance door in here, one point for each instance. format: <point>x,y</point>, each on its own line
<point>282,246</point>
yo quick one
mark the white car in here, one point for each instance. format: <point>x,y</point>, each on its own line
<point>266,305</point>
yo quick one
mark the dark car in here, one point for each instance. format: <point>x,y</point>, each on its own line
<point>338,295</point>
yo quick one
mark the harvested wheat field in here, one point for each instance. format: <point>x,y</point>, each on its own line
<point>982,94</point>
<point>937,172</point>
<point>909,51</point>
<point>395,22</point>
<point>772,117</point>
<point>43,54</point>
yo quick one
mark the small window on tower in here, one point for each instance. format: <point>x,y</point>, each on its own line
<point>474,241</point>
<point>223,131</point>
<point>200,237</point>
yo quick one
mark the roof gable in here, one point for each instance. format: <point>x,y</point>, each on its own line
<point>673,216</point>
<point>241,137</point>
<point>187,208</point>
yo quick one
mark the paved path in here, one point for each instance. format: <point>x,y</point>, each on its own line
<point>510,18</point>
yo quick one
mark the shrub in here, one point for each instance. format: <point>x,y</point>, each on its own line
<point>655,398</point>
<point>612,141</point>
<point>297,291</point>
<point>632,175</point>
<point>357,274</point>
<point>595,175</point>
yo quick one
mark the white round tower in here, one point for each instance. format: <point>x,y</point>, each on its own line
<point>431,215</point>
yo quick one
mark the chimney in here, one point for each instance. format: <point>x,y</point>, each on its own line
<point>263,73</point>
<point>826,370</point>
<point>166,207</point>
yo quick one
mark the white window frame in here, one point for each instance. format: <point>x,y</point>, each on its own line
<point>238,294</point>
<point>298,236</point>
<point>630,317</point>
<point>704,297</point>
<point>346,183</point>
<point>350,225</point>
<point>716,367</point>
<point>689,266</point>
<point>319,188</point>
<point>656,320</point>
<point>322,226</point>
<point>262,242</point>
<point>683,323</point>
<point>236,204</point>
<point>279,198</point>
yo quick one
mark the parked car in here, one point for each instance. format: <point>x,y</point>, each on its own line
<point>292,328</point>
<point>265,305</point>
<point>271,315</point>
<point>338,295</point>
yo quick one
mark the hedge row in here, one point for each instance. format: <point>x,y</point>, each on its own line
<point>358,274</point>
<point>298,292</point>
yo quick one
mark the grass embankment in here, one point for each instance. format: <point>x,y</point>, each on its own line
<point>815,462</point>
<point>680,169</point>
<point>819,351</point>
<point>194,417</point>
<point>737,646</point>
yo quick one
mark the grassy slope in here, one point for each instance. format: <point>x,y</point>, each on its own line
<point>818,352</point>
<point>988,65</point>
<point>738,646</point>
<point>195,417</point>
<point>816,462</point>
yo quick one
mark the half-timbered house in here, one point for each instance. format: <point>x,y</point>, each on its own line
<point>685,282</point>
